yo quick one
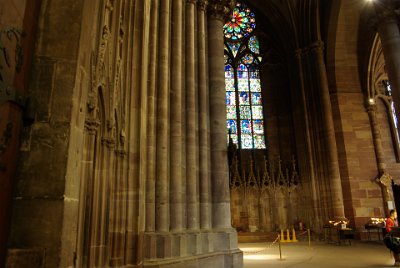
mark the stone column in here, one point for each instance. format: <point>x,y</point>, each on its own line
<point>191,122</point>
<point>204,130</point>
<point>219,157</point>
<point>15,76</point>
<point>384,180</point>
<point>176,202</point>
<point>162,158</point>
<point>389,33</point>
<point>151,125</point>
<point>309,158</point>
<point>329,131</point>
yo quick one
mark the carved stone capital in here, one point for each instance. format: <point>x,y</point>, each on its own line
<point>202,5</point>
<point>108,141</point>
<point>92,125</point>
<point>220,9</point>
<point>385,179</point>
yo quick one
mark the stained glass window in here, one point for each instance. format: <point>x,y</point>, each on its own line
<point>244,105</point>
<point>388,92</point>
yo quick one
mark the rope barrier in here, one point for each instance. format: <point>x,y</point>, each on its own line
<point>278,237</point>
<point>265,249</point>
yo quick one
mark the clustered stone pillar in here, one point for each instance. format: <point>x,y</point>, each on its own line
<point>151,125</point>
<point>329,132</point>
<point>191,122</point>
<point>176,118</point>
<point>204,145</point>
<point>309,159</point>
<point>162,158</point>
<point>383,182</point>
<point>219,160</point>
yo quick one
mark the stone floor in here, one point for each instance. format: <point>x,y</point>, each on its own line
<point>360,254</point>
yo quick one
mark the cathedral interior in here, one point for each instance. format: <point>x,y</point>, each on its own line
<point>157,133</point>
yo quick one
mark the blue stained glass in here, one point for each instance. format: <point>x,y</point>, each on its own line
<point>245,126</point>
<point>248,59</point>
<point>234,48</point>
<point>247,141</point>
<point>244,98</point>
<point>230,98</point>
<point>231,125</point>
<point>258,127</point>
<point>255,98</point>
<point>257,112</point>
<point>229,71</point>
<point>231,112</point>
<point>244,112</point>
<point>254,45</point>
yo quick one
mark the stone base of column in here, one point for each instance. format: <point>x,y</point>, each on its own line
<point>213,248</point>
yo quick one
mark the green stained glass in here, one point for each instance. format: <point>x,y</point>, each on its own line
<point>242,22</point>
<point>253,44</point>
<point>256,99</point>
<point>243,84</point>
<point>255,85</point>
<point>234,138</point>
<point>230,84</point>
<point>231,112</point>
<point>257,112</point>
<point>244,112</point>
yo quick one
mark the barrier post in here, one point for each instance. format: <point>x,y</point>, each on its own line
<point>309,237</point>
<point>280,250</point>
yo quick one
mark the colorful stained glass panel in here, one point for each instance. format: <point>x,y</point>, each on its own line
<point>248,59</point>
<point>246,141</point>
<point>259,142</point>
<point>234,138</point>
<point>231,125</point>
<point>254,45</point>
<point>229,84</point>
<point>256,99</point>
<point>257,112</point>
<point>231,112</point>
<point>245,126</point>
<point>243,84</point>
<point>244,98</point>
<point>234,48</point>
<point>230,98</point>
<point>255,85</point>
<point>241,23</point>
<point>244,112</point>
<point>258,126</point>
<point>229,71</point>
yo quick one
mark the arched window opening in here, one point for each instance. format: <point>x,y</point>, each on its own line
<point>388,92</point>
<point>245,117</point>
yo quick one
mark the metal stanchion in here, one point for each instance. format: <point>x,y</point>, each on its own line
<point>280,249</point>
<point>309,237</point>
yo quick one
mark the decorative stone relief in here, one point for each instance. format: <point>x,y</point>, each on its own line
<point>220,8</point>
